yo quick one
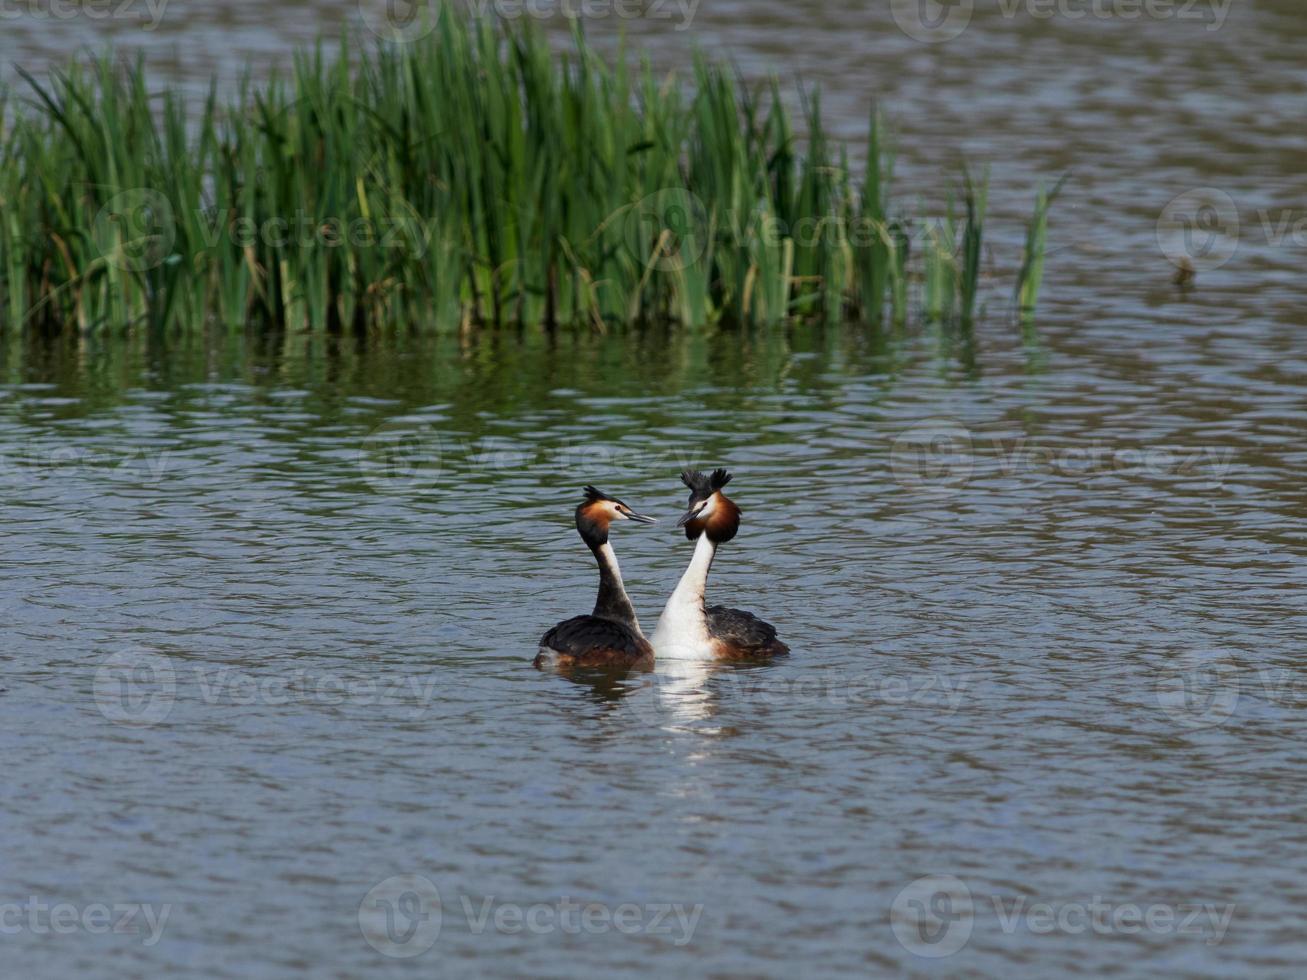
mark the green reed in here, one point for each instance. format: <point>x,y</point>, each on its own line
<point>1031,274</point>
<point>472,177</point>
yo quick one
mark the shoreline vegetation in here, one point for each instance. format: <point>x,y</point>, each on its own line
<point>473,177</point>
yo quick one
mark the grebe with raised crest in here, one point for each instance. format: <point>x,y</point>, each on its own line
<point>610,636</point>
<point>689,630</point>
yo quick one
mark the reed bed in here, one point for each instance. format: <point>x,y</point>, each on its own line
<point>473,177</point>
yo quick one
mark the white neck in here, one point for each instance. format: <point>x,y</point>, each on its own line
<point>682,630</point>
<point>609,557</point>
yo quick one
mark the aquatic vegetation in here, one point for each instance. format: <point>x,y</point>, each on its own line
<point>1031,275</point>
<point>473,177</point>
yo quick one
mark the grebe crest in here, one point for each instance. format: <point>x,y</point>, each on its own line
<point>709,511</point>
<point>598,511</point>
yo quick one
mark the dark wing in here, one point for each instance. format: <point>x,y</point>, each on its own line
<point>744,633</point>
<point>589,641</point>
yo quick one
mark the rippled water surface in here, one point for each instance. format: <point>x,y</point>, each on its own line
<point>271,604</point>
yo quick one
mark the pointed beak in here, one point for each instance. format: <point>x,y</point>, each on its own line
<point>691,514</point>
<point>640,518</point>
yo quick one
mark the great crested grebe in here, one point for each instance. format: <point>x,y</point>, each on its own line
<point>687,630</point>
<point>610,636</point>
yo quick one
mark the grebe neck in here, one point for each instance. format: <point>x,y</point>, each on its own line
<point>682,631</point>
<point>690,590</point>
<point>612,602</point>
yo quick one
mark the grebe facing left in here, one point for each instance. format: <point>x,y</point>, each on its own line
<point>610,636</point>
<point>687,629</point>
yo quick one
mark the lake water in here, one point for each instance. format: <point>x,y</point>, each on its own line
<point>267,702</point>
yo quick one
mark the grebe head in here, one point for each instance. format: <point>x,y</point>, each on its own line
<point>710,511</point>
<point>597,511</point>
